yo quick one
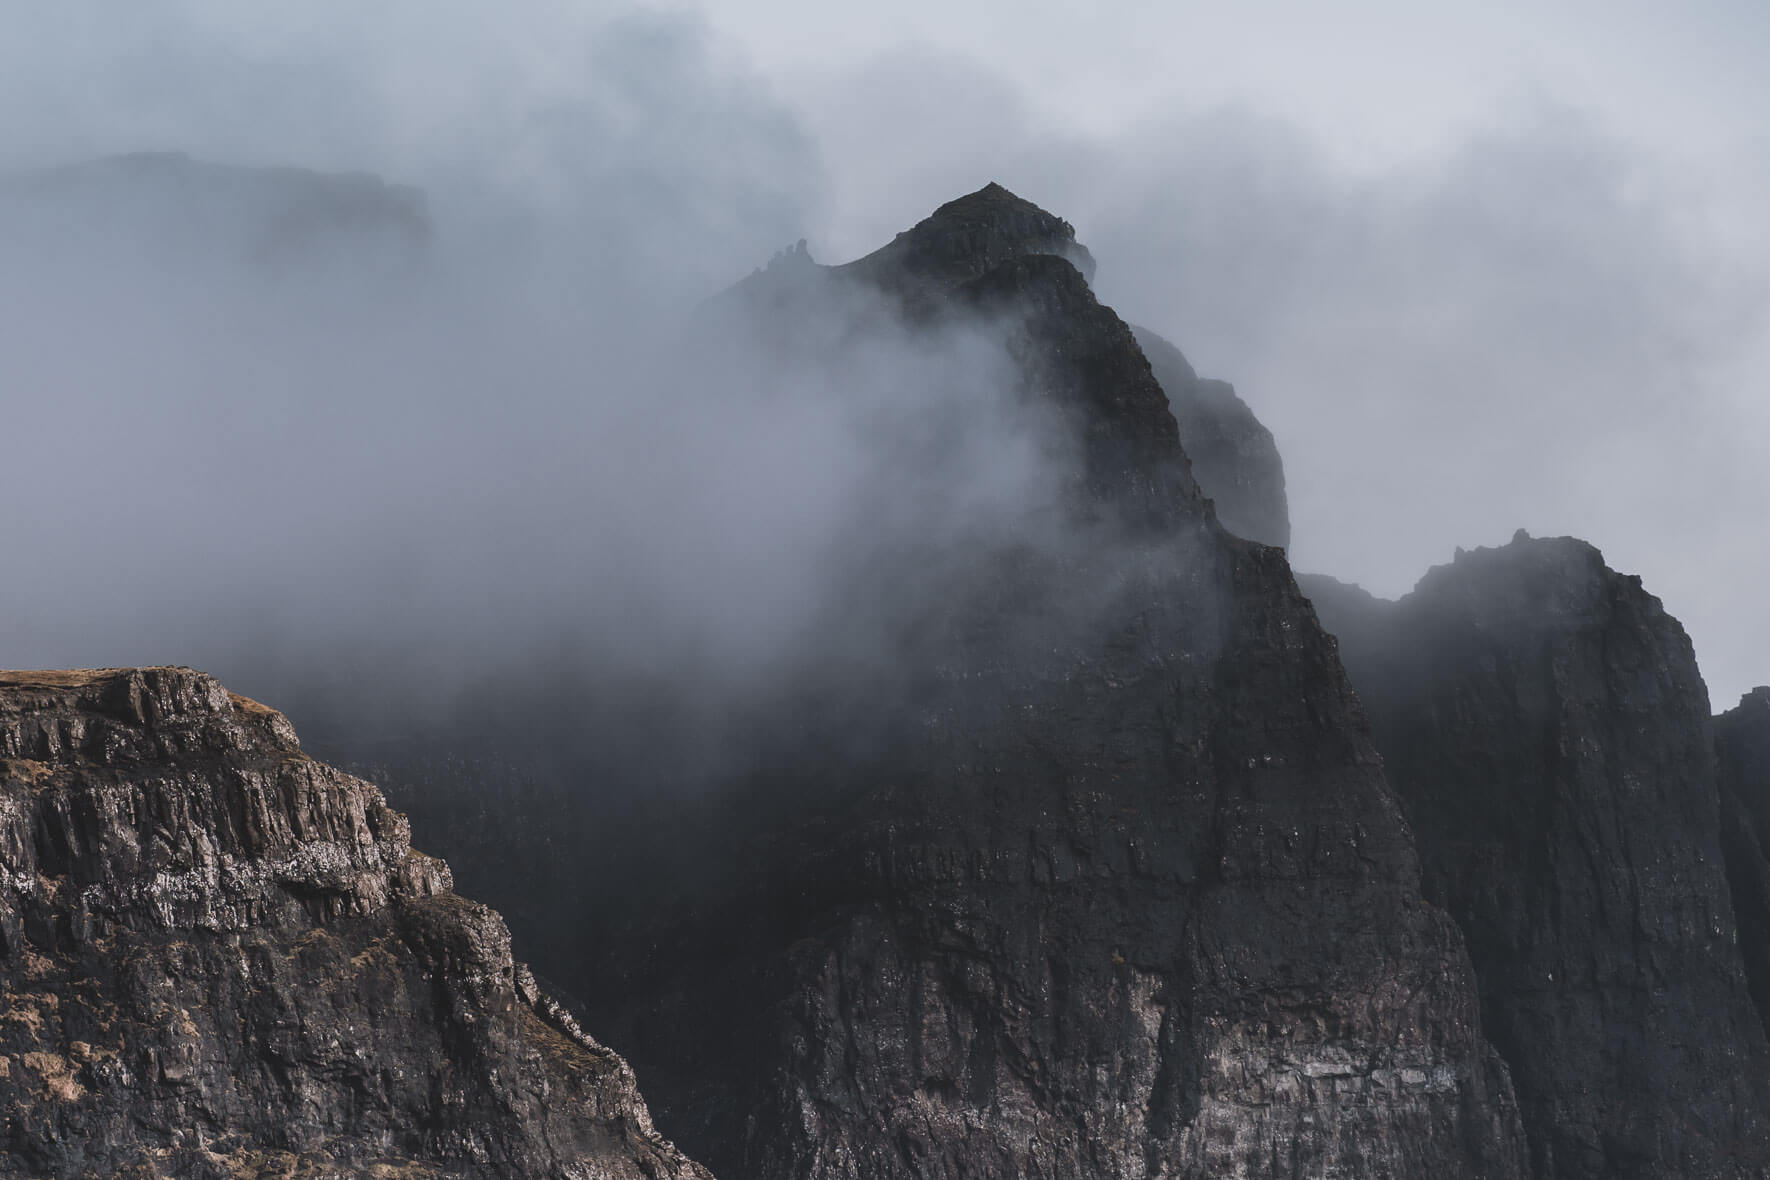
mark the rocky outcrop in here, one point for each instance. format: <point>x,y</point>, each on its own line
<point>1234,457</point>
<point>967,238</point>
<point>1742,744</point>
<point>1115,891</point>
<point>221,959</point>
<point>1545,727</point>
<point>1742,756</point>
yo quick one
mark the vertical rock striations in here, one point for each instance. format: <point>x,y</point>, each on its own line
<point>1544,725</point>
<point>222,959</point>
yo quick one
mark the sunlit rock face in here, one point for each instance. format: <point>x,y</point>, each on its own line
<point>222,958</point>
<point>1544,725</point>
<point>1104,881</point>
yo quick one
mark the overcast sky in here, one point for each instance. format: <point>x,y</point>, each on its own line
<point>1479,266</point>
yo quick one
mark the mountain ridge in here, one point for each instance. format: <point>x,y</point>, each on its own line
<point>1086,912</point>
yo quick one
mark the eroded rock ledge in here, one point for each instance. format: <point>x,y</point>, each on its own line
<point>223,958</point>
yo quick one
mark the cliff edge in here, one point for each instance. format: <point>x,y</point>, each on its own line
<point>221,958</point>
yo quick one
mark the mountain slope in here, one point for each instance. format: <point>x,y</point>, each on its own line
<point>1742,764</point>
<point>222,958</point>
<point>1106,882</point>
<point>1544,725</point>
<point>1234,457</point>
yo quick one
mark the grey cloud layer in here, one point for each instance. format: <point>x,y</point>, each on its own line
<point>1521,334</point>
<point>339,468</point>
<point>1544,325</point>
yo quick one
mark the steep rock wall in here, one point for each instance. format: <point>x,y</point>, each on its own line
<point>1543,722</point>
<point>1120,895</point>
<point>1742,763</point>
<point>1234,457</point>
<point>222,958</point>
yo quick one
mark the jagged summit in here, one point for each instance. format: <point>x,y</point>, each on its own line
<point>1084,910</point>
<point>1541,561</point>
<point>1757,699</point>
<point>988,258</point>
<point>972,235</point>
<point>1528,581</point>
<point>959,243</point>
<point>992,249</point>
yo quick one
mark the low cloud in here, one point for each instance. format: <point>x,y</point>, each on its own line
<point>1541,324</point>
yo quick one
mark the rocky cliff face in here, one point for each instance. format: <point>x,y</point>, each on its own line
<point>1742,756</point>
<point>1234,457</point>
<point>221,958</point>
<point>1742,745</point>
<point>1544,725</point>
<point>1114,895</point>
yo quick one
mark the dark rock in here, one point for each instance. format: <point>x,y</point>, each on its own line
<point>222,958</point>
<point>1742,756</point>
<point>1118,892</point>
<point>1544,725</point>
<point>967,238</point>
<point>1234,457</point>
<point>1742,749</point>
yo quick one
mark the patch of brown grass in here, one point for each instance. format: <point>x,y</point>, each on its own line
<point>59,678</point>
<point>58,1076</point>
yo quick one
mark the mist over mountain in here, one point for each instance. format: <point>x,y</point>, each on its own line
<point>1562,278</point>
<point>166,211</point>
<point>1068,897</point>
<point>910,761</point>
<point>448,466</point>
<point>755,549</point>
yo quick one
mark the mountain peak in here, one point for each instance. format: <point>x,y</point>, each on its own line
<point>994,200</point>
<point>972,235</point>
